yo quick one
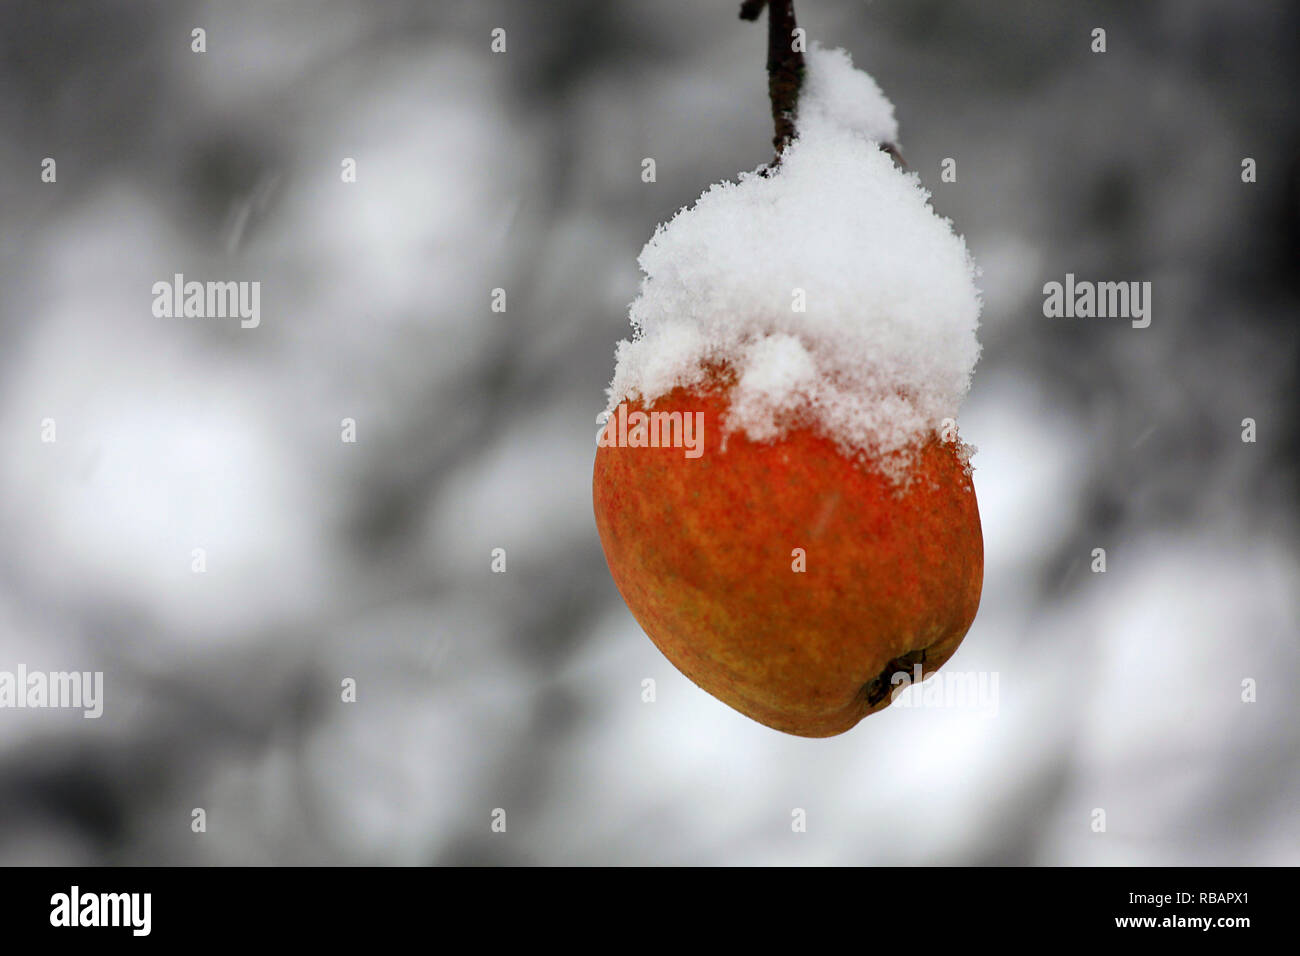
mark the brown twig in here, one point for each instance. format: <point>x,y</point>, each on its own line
<point>784,66</point>
<point>785,72</point>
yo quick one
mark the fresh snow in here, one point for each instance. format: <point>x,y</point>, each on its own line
<point>830,287</point>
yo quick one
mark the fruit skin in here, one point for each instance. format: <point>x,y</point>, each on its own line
<point>701,550</point>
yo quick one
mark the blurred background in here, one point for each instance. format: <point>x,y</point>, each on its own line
<point>475,429</point>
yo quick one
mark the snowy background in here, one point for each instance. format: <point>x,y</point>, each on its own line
<point>475,430</point>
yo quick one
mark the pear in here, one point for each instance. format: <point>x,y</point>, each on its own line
<point>790,579</point>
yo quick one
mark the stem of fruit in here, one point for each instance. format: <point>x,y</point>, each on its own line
<point>784,66</point>
<point>785,72</point>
